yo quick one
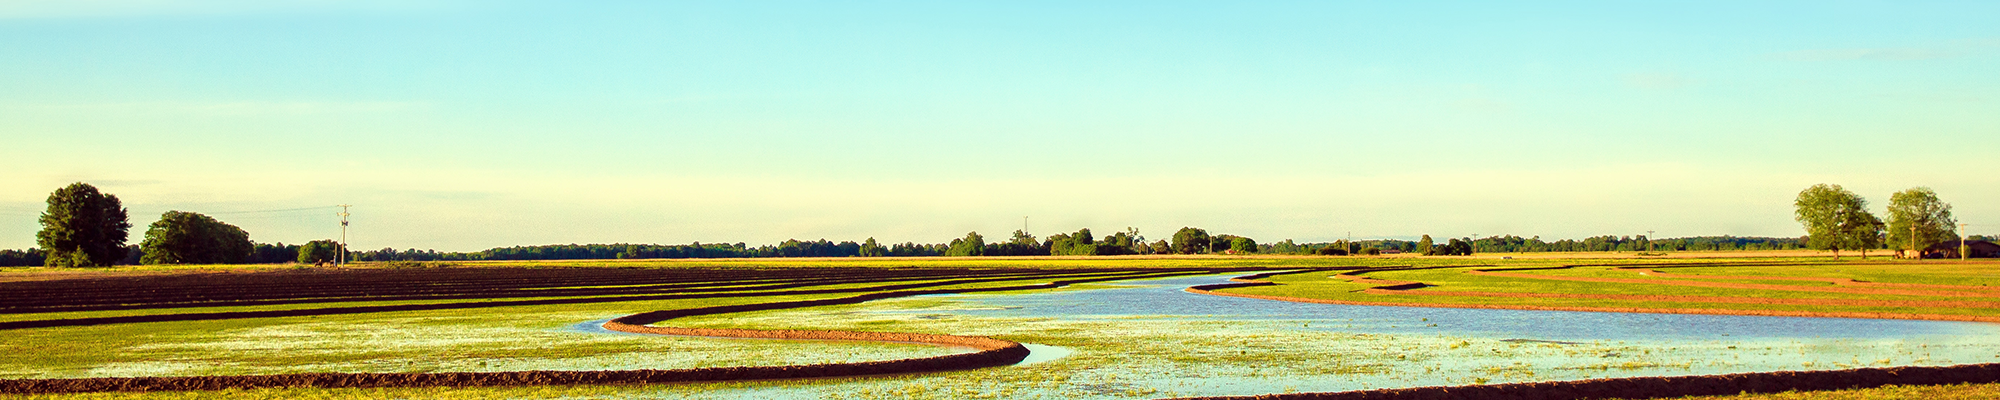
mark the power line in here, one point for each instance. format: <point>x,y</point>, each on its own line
<point>278,210</point>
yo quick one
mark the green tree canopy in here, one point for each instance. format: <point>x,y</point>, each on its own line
<point>1220,243</point>
<point>1917,219</point>
<point>872,249</point>
<point>1242,245</point>
<point>318,251</point>
<point>971,245</point>
<point>1190,240</point>
<point>1072,244</point>
<point>1121,243</point>
<point>1836,219</point>
<point>1424,246</point>
<point>83,228</point>
<point>190,238</point>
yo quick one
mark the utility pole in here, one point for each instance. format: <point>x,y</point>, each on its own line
<point>1914,253</point>
<point>1349,244</point>
<point>341,258</point>
<point>1649,241</point>
<point>1473,243</point>
<point>1961,243</point>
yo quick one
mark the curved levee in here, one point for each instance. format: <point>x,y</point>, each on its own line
<point>989,352</point>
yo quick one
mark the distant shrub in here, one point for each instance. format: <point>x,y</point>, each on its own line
<point>413,264</point>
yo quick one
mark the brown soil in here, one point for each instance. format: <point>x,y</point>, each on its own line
<point>1671,386</point>
<point>1752,286</point>
<point>1835,281</point>
<point>1405,288</point>
<point>1698,299</point>
<point>990,352</point>
<point>1390,287</point>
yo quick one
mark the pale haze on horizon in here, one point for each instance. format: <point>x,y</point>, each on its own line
<point>462,125</point>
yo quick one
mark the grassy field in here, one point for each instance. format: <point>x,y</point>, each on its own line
<point>1124,357</point>
<point>1918,290</point>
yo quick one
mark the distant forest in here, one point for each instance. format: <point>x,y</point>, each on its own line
<point>1019,244</point>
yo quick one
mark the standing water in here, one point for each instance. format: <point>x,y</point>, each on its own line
<point>1153,339</point>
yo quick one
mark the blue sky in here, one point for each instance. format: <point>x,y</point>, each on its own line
<point>468,125</point>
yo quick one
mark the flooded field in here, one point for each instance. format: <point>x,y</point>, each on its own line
<point>1152,339</point>
<point>1116,335</point>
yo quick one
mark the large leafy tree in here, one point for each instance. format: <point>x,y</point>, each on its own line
<point>1190,240</point>
<point>1836,219</point>
<point>189,238</point>
<point>83,228</point>
<point>318,251</point>
<point>1917,219</point>
<point>1424,246</point>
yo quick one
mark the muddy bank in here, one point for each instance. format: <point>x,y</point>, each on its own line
<point>1834,281</point>
<point>1669,387</point>
<point>1751,286</point>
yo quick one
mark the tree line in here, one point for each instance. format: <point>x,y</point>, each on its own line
<point>84,227</point>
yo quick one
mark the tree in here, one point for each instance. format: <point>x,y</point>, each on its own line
<point>1837,219</point>
<point>1162,247</point>
<point>1220,243</point>
<point>1242,245</point>
<point>82,228</point>
<point>318,251</point>
<point>1865,233</point>
<point>1917,220</point>
<point>1190,240</point>
<point>971,245</point>
<point>190,238</point>
<point>1075,244</point>
<point>1453,248</point>
<point>1424,246</point>
<point>872,249</point>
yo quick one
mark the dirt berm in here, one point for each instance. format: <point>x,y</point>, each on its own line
<point>1671,386</point>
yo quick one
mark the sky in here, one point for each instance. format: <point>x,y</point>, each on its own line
<point>466,125</point>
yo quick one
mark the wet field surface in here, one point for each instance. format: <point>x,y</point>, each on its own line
<point>1150,339</point>
<point>1165,297</point>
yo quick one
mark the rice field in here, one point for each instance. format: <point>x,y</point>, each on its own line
<point>478,318</point>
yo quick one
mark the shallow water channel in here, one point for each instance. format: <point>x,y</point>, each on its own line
<point>1150,339</point>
